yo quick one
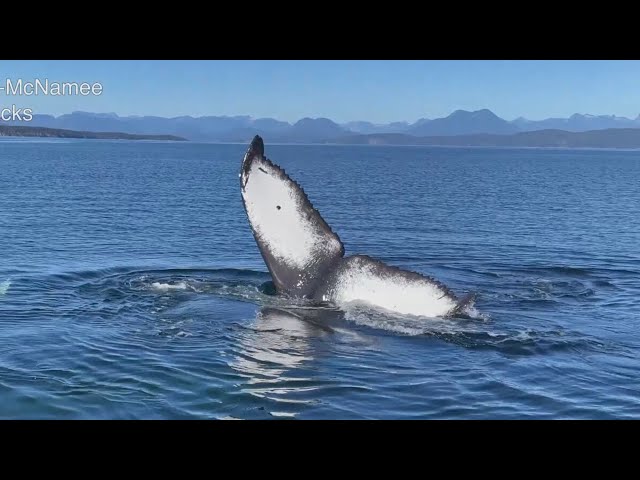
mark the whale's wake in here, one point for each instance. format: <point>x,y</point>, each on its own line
<point>251,287</point>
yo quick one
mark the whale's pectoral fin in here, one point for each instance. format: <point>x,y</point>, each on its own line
<point>360,279</point>
<point>296,243</point>
<point>466,301</point>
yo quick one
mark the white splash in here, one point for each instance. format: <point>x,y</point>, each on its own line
<point>472,312</point>
<point>165,287</point>
<point>361,283</point>
<point>4,287</point>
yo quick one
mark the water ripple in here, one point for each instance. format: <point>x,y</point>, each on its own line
<point>131,286</point>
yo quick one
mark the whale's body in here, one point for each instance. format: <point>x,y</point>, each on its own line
<point>307,259</point>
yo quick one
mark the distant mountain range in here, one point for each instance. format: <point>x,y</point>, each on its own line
<point>609,138</point>
<point>319,130</point>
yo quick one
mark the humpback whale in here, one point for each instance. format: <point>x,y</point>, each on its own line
<point>306,258</point>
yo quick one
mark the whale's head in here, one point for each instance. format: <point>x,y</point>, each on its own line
<point>294,240</point>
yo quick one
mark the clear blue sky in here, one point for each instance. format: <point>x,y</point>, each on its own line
<point>378,91</point>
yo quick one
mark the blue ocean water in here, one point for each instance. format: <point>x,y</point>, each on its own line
<point>131,286</point>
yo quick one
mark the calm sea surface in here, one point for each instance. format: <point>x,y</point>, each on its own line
<point>131,286</point>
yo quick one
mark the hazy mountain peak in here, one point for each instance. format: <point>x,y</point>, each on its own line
<point>463,122</point>
<point>92,114</point>
<point>475,113</point>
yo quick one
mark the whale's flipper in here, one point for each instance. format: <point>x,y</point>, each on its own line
<point>466,301</point>
<point>360,279</point>
<point>296,243</point>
